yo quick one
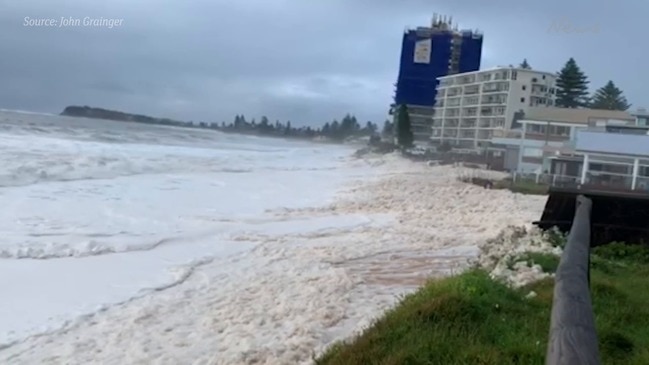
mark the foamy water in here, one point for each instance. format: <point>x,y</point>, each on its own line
<point>185,263</point>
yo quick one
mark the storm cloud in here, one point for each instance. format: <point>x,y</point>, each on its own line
<point>304,61</point>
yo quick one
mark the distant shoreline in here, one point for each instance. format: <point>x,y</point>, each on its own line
<point>243,128</point>
<point>100,113</point>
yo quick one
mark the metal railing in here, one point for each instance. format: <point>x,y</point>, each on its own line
<point>573,337</point>
<point>546,179</point>
<point>594,180</point>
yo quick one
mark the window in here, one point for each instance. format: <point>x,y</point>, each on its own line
<point>534,79</point>
<point>523,87</point>
<point>472,100</point>
<point>595,166</point>
<point>514,74</point>
<point>522,100</point>
<point>560,131</point>
<point>532,152</point>
<point>535,128</point>
<point>543,77</point>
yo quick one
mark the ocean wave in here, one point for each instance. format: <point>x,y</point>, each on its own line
<point>72,168</point>
<point>26,112</point>
<point>33,167</point>
<point>85,249</point>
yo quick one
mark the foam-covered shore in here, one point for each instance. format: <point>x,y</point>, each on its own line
<point>299,290</point>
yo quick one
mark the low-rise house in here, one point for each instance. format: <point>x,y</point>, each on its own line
<point>545,132</point>
<point>641,117</point>
<point>614,158</point>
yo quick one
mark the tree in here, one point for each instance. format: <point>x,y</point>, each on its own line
<point>610,97</point>
<point>525,65</point>
<point>405,137</point>
<point>264,125</point>
<point>326,130</point>
<point>572,86</point>
<point>355,126</point>
<point>370,128</point>
<point>346,126</point>
<point>237,122</point>
<point>334,130</point>
<point>388,128</point>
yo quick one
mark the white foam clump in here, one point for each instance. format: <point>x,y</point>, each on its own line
<point>502,255</point>
<point>48,251</point>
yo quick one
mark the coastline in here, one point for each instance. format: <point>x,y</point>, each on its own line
<point>315,287</point>
<point>349,136</point>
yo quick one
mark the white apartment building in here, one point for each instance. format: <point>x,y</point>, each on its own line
<point>472,105</point>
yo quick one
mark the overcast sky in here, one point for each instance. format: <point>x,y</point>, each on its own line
<point>304,61</point>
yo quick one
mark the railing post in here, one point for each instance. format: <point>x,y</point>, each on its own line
<point>573,337</point>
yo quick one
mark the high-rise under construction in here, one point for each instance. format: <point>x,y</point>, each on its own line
<point>426,54</point>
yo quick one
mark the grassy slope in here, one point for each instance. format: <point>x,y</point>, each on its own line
<point>471,319</point>
<point>523,187</point>
<point>518,186</point>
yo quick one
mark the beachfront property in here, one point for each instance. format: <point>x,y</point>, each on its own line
<point>612,158</point>
<point>641,117</point>
<point>543,132</point>
<point>471,106</point>
<point>428,53</point>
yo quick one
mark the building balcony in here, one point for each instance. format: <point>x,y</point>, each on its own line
<point>484,123</point>
<point>494,91</point>
<point>468,123</point>
<point>493,101</point>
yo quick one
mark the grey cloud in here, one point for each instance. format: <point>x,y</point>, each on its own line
<point>307,61</point>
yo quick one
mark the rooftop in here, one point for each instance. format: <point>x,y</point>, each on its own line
<point>640,112</point>
<point>498,68</point>
<point>442,23</point>
<point>576,116</point>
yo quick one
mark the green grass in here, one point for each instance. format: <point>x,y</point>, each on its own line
<point>548,262</point>
<point>518,186</point>
<point>472,319</point>
<point>522,186</point>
